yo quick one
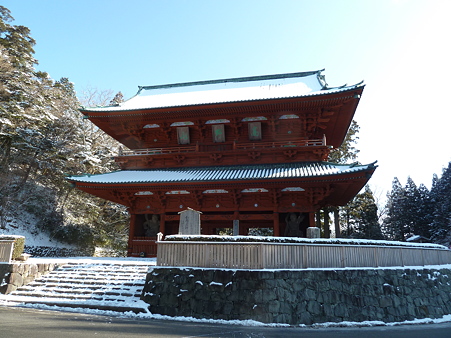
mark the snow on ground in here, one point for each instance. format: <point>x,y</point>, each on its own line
<point>94,260</point>
<point>148,315</point>
<point>25,224</point>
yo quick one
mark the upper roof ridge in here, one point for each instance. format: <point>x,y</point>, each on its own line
<point>239,79</point>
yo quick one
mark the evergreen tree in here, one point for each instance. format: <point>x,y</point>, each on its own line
<point>42,137</point>
<point>394,223</point>
<point>441,201</point>
<point>424,213</point>
<point>347,152</point>
<point>361,218</point>
<point>409,211</point>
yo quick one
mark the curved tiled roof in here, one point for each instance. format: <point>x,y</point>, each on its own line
<point>255,88</point>
<point>224,173</point>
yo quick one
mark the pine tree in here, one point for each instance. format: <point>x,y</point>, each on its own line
<point>424,213</point>
<point>441,201</point>
<point>346,153</point>
<point>394,223</point>
<point>361,218</point>
<point>409,211</point>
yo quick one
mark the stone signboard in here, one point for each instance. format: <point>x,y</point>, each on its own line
<point>189,222</point>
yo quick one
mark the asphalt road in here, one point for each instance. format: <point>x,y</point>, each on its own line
<point>31,323</point>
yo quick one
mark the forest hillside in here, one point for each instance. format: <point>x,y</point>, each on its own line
<point>43,138</point>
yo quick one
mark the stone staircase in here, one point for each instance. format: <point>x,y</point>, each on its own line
<point>102,286</point>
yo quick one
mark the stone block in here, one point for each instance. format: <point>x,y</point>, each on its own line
<point>28,280</point>
<point>33,269</point>
<point>15,279</point>
<point>314,308</point>
<point>309,294</point>
<point>385,301</point>
<point>422,311</point>
<point>216,297</point>
<point>202,294</point>
<point>305,318</point>
<point>264,275</point>
<point>227,309</point>
<point>341,310</point>
<point>388,289</point>
<point>396,301</point>
<point>418,301</point>
<point>223,276</point>
<point>285,307</point>
<point>17,268</point>
<point>313,232</point>
<point>10,288</point>
<point>298,285</point>
<point>290,297</point>
<point>244,309</point>
<point>274,306</point>
<point>258,296</point>
<point>168,300</point>
<point>335,285</point>
<point>41,268</point>
<point>269,295</point>
<point>282,318</point>
<point>215,287</point>
<point>280,274</point>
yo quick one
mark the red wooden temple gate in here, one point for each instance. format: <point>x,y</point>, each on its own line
<point>250,152</point>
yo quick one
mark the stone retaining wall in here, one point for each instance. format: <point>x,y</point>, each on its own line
<point>15,275</point>
<point>300,296</point>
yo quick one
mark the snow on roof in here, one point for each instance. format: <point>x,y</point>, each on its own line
<point>224,173</point>
<point>227,90</point>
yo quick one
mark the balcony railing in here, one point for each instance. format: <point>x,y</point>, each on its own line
<point>223,147</point>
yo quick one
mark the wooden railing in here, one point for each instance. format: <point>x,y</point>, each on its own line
<point>6,250</point>
<point>145,246</point>
<point>222,147</point>
<point>158,151</point>
<point>280,144</point>
<point>234,255</point>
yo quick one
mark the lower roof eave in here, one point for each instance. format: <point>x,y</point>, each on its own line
<point>306,172</point>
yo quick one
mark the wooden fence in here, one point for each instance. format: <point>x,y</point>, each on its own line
<point>236,255</point>
<point>6,250</point>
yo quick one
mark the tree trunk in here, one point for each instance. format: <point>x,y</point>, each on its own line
<point>326,223</point>
<point>4,156</point>
<point>318,219</point>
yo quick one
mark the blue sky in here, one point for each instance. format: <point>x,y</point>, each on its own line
<point>398,47</point>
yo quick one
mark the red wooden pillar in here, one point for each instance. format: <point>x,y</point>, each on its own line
<point>311,222</point>
<point>236,223</point>
<point>162,223</point>
<point>131,233</point>
<point>276,229</point>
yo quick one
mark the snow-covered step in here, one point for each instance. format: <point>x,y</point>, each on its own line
<point>105,286</point>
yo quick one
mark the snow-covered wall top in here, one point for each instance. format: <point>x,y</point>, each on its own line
<point>268,239</point>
